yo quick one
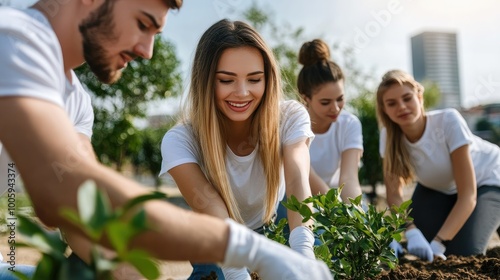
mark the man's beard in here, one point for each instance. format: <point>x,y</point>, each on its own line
<point>98,29</point>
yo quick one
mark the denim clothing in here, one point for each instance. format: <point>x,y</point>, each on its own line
<point>6,274</point>
<point>75,267</point>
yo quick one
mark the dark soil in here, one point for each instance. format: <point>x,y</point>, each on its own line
<point>475,267</point>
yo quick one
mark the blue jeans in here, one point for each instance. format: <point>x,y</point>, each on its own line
<point>76,266</point>
<point>6,271</point>
<point>282,213</point>
<point>201,270</point>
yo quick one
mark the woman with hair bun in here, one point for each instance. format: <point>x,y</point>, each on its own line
<point>338,144</point>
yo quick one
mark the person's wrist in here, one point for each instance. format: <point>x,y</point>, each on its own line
<point>409,225</point>
<point>441,240</point>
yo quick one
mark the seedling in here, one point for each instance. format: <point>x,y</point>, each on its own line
<point>355,242</point>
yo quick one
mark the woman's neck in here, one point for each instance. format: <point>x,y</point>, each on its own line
<point>415,131</point>
<point>320,127</point>
<point>240,139</point>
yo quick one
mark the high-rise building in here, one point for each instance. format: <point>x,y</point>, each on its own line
<point>435,59</point>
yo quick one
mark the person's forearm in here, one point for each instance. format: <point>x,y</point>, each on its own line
<point>393,191</point>
<point>459,214</point>
<point>318,186</point>
<point>179,234</point>
<point>351,189</point>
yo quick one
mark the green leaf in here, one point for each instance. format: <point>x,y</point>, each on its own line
<point>35,236</point>
<point>139,220</point>
<point>47,268</point>
<point>119,235</point>
<point>94,209</point>
<point>87,196</point>
<point>72,216</point>
<point>73,269</point>
<point>143,263</point>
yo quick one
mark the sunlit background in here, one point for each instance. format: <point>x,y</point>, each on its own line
<point>378,30</point>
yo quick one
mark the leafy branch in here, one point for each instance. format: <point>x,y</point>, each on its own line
<point>98,220</point>
<point>354,242</point>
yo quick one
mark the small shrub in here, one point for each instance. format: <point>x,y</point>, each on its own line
<point>355,242</point>
<point>97,220</point>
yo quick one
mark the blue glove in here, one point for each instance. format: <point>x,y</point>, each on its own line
<point>438,249</point>
<point>418,245</point>
<point>397,248</point>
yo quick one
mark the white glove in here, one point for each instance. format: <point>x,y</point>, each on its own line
<point>301,240</point>
<point>396,247</point>
<point>438,249</point>
<point>231,273</point>
<point>418,245</point>
<point>269,259</point>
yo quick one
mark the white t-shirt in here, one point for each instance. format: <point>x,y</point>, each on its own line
<point>327,148</point>
<point>446,131</point>
<point>245,173</point>
<point>31,65</point>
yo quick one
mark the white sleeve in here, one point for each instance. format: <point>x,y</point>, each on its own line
<point>382,140</point>
<point>178,147</point>
<point>85,117</point>
<point>79,106</point>
<point>30,64</point>
<point>295,123</point>
<point>352,135</point>
<point>457,133</point>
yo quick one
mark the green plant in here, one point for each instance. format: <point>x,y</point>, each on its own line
<point>97,219</point>
<point>355,243</point>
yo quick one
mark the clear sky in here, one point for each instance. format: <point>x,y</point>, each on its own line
<point>379,31</point>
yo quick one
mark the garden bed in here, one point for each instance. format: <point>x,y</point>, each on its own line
<point>475,267</point>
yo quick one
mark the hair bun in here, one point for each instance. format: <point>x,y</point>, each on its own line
<point>313,51</point>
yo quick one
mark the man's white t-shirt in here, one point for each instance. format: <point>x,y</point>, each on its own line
<point>31,65</point>
<point>327,148</point>
<point>245,173</point>
<point>446,131</point>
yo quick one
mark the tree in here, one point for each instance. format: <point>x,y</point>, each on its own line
<point>284,44</point>
<point>118,106</point>
<point>148,158</point>
<point>432,94</point>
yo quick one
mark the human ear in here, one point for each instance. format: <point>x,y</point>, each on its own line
<point>306,99</point>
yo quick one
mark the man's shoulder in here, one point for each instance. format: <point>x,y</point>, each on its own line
<point>27,24</point>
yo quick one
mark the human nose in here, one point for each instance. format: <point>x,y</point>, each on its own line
<point>335,107</point>
<point>242,89</point>
<point>401,105</point>
<point>144,48</point>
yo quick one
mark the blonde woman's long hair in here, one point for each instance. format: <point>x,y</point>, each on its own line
<point>209,123</point>
<point>396,156</point>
